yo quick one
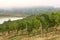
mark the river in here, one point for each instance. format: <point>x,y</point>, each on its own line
<point>2,19</point>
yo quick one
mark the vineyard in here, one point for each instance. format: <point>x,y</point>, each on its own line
<point>39,25</point>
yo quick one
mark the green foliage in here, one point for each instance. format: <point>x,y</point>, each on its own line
<point>33,22</point>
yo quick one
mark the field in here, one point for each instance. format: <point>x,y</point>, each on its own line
<point>13,15</point>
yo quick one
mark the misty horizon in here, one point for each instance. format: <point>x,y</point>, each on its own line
<point>6,4</point>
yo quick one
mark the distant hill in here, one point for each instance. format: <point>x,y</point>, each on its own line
<point>30,11</point>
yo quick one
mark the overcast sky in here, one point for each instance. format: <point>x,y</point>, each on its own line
<point>28,3</point>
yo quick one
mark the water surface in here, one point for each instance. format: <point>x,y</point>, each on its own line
<point>2,19</point>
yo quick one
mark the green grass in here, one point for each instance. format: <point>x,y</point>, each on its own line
<point>16,38</point>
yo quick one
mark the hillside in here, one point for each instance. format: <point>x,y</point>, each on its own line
<point>39,25</point>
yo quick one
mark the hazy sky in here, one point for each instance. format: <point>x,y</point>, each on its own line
<point>28,3</point>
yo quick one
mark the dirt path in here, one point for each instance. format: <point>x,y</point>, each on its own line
<point>54,37</point>
<point>1,38</point>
